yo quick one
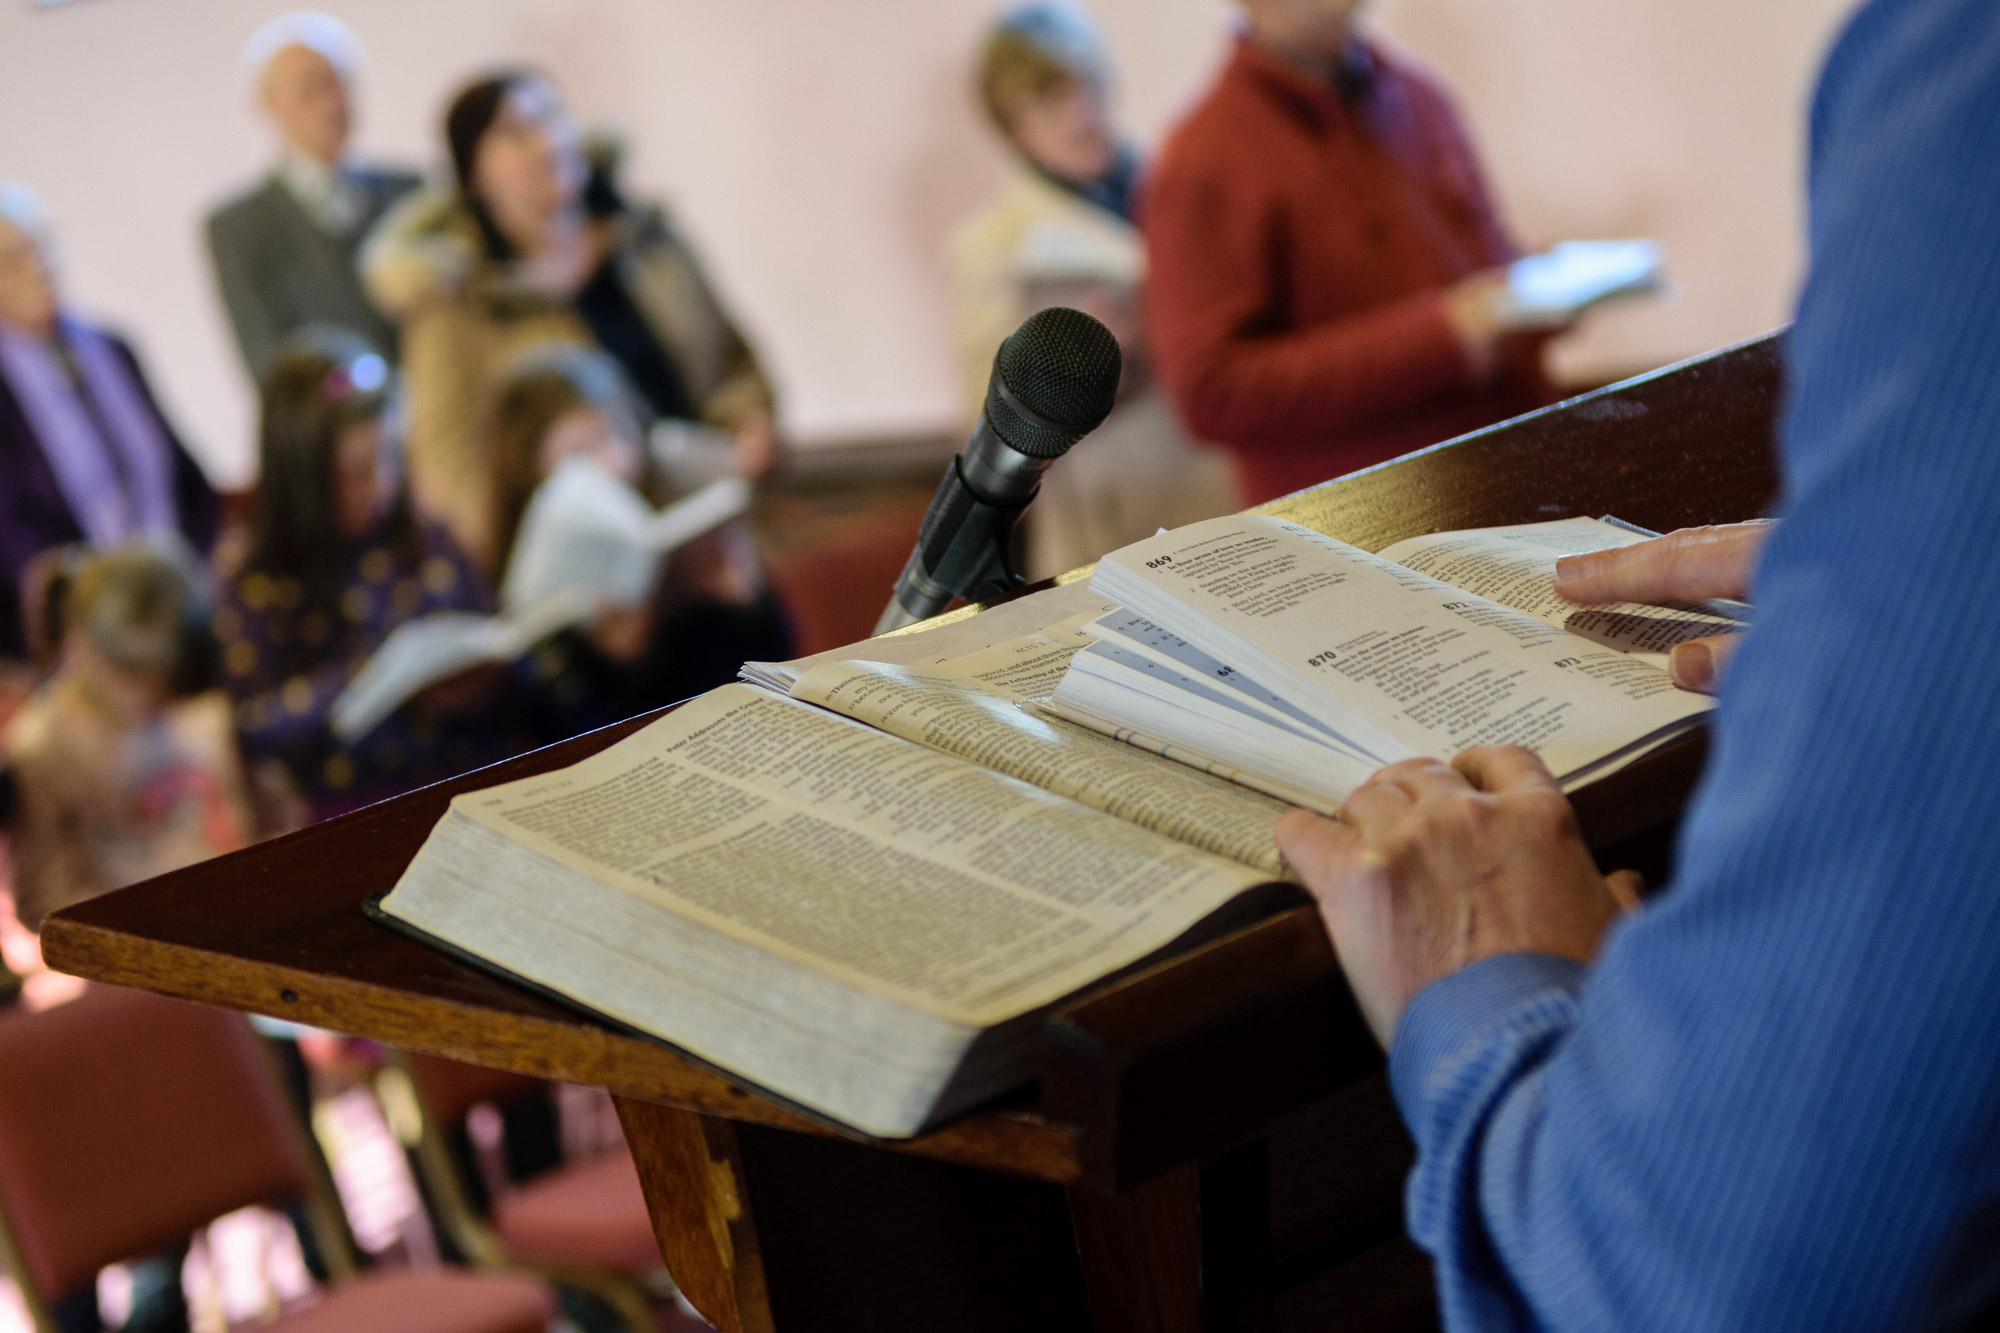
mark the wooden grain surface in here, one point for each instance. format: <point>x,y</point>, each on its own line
<point>278,928</point>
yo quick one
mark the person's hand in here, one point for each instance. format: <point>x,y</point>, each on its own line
<point>622,633</point>
<point>1493,328</point>
<point>756,445</point>
<point>1434,866</point>
<point>756,442</point>
<point>1690,565</point>
<point>718,566</point>
<point>1474,306</point>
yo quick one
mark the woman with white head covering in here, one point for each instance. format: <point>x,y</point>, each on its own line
<point>1059,232</point>
<point>85,453</point>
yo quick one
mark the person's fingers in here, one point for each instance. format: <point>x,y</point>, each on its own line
<point>1697,664</point>
<point>1500,768</point>
<point>1374,804</point>
<point>1321,850</point>
<point>1625,886</point>
<point>1684,566</point>
<point>1418,778</point>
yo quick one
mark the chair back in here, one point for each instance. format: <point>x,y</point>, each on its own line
<point>126,1122</point>
<point>450,1089</point>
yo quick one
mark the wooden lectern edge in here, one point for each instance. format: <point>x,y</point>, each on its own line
<point>1180,1031</point>
<point>1139,1074</point>
<point>1016,1142</point>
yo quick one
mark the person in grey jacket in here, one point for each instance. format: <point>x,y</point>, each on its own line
<point>284,251</point>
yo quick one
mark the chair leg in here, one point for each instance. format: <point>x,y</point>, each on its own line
<point>626,1297</point>
<point>13,1263</point>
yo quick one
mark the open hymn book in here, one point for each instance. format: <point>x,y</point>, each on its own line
<point>860,884</point>
<point>1257,648</point>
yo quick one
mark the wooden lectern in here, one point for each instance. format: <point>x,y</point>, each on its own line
<point>1211,1145</point>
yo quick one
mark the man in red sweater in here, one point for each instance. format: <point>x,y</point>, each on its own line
<point>1327,270</point>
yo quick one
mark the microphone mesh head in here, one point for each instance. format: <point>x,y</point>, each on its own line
<point>1061,365</point>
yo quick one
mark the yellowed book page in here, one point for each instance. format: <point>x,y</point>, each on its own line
<point>1516,566</point>
<point>1278,789</point>
<point>995,625</point>
<point>1343,632</point>
<point>905,872</point>
<point>978,707</point>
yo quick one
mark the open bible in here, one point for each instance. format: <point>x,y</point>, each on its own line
<point>1297,664</point>
<point>862,881</point>
<point>861,898</point>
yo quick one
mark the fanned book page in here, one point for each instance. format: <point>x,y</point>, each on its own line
<point>980,707</point>
<point>1286,653</point>
<point>1516,566</point>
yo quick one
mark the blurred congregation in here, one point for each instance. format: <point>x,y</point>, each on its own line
<point>1302,271</point>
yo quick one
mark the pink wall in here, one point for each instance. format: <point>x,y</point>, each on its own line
<point>817,151</point>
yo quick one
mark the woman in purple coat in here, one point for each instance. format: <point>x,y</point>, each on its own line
<point>332,561</point>
<point>85,454</point>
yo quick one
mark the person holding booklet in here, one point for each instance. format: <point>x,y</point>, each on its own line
<point>1767,1100</point>
<point>1332,283</point>
<point>333,560</point>
<point>536,242</point>
<point>704,608</point>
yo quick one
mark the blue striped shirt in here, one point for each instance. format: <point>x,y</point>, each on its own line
<point>1773,1103</point>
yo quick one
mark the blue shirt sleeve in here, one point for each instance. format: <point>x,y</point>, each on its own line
<point>1774,1101</point>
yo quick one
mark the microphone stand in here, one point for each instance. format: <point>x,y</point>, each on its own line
<point>962,551</point>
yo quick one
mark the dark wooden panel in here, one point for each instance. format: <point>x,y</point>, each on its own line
<point>1199,1052</point>
<point>1687,445</point>
<point>855,1238</point>
<point>1386,1289</point>
<point>1337,1168</point>
<point>1236,1242</point>
<point>1143,1255</point>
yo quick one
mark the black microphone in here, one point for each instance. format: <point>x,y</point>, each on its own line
<point>1054,381</point>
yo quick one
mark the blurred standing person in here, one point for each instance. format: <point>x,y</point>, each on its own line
<point>534,245</point>
<point>1060,233</point>
<point>125,760</point>
<point>333,560</point>
<point>85,453</point>
<point>1328,269</point>
<point>285,250</point>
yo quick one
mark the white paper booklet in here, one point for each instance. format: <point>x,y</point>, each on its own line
<point>587,541</point>
<point>420,653</point>
<point>1566,279</point>
<point>1298,663</point>
<point>586,529</point>
<point>690,455</point>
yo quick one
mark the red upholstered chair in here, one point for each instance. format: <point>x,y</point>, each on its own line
<point>836,582</point>
<point>582,1223</point>
<point>127,1121</point>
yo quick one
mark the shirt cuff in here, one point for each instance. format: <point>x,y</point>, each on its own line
<point>1454,1011</point>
